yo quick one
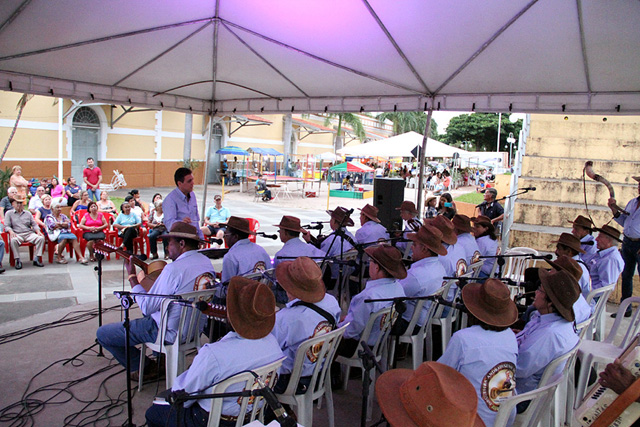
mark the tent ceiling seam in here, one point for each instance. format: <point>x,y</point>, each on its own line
<point>583,45</point>
<point>14,15</point>
<point>214,54</point>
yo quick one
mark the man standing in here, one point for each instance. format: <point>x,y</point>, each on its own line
<point>630,242</point>
<point>490,208</point>
<point>181,204</point>
<point>23,228</point>
<point>215,219</point>
<point>371,230</point>
<point>289,230</point>
<point>92,176</point>
<point>178,277</point>
<point>582,227</point>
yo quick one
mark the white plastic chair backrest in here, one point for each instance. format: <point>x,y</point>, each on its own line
<point>515,266</point>
<point>540,401</point>
<point>559,366</point>
<point>385,318</point>
<point>443,291</point>
<point>634,323</point>
<point>603,295</point>
<point>475,268</point>
<point>417,311</point>
<point>262,276</point>
<point>191,321</point>
<point>267,374</point>
<point>583,328</point>
<point>328,344</point>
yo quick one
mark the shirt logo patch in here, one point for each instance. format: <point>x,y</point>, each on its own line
<point>320,329</point>
<point>476,257</point>
<point>259,266</point>
<point>498,384</point>
<point>461,267</point>
<point>203,282</point>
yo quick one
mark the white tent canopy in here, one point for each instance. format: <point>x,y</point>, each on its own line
<point>400,146</point>
<point>256,56</point>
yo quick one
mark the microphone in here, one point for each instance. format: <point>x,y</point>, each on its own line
<point>281,414</point>
<point>451,304</point>
<point>320,222</point>
<point>528,189</point>
<point>313,227</point>
<point>546,257</point>
<point>216,241</point>
<point>267,236</point>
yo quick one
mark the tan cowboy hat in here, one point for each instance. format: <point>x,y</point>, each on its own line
<point>431,237</point>
<point>610,231</point>
<point>302,278</point>
<point>389,258</point>
<point>290,223</point>
<point>339,214</point>
<point>484,221</point>
<point>561,289</point>
<point>408,206</point>
<point>461,223</point>
<point>370,212</point>
<point>582,221</point>
<point>490,302</point>
<point>240,224</point>
<point>434,395</point>
<point>445,226</point>
<point>570,241</point>
<point>430,199</point>
<point>182,230</point>
<point>567,264</point>
<point>251,308</point>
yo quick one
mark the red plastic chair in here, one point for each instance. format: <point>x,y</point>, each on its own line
<point>254,225</point>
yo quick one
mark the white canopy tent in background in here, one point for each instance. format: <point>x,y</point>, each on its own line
<point>400,146</point>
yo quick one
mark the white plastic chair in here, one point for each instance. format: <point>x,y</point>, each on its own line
<point>540,399</point>
<point>445,323</point>
<point>592,352</point>
<point>475,268</point>
<point>602,294</point>
<point>267,375</point>
<point>187,335</point>
<point>585,329</point>
<point>408,337</point>
<point>320,384</point>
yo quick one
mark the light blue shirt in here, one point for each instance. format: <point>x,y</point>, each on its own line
<point>454,262</point>
<point>243,258</point>
<point>297,248</point>
<point>424,277</point>
<point>590,250</point>
<point>131,219</point>
<point>297,324</point>
<point>487,247</point>
<point>488,360</point>
<point>631,222</point>
<point>605,267</point>
<point>371,231</point>
<point>542,340</point>
<point>177,277</point>
<point>217,215</point>
<point>176,207</point>
<point>470,246</point>
<point>585,279</point>
<point>222,359</point>
<point>359,311</point>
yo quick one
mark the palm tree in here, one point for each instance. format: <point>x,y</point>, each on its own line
<point>350,119</point>
<point>406,121</point>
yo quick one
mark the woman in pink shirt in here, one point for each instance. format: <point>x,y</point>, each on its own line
<point>93,224</point>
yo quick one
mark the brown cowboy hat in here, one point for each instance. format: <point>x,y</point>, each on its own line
<point>434,395</point>
<point>561,289</point>
<point>429,236</point>
<point>182,230</point>
<point>582,221</point>
<point>610,231</point>
<point>251,308</point>
<point>408,206</point>
<point>567,264</point>
<point>484,221</point>
<point>339,214</point>
<point>370,212</point>
<point>240,224</point>
<point>445,226</point>
<point>290,223</point>
<point>302,278</point>
<point>490,302</point>
<point>389,258</point>
<point>570,241</point>
<point>461,223</point>
<point>637,178</point>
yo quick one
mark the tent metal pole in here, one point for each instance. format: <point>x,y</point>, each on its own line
<point>206,170</point>
<point>423,153</point>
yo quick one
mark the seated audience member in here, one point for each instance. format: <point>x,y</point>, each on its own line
<point>582,228</point>
<point>433,395</point>
<point>57,190</point>
<point>289,231</point>
<point>5,203</point>
<point>215,219</point>
<point>370,228</point>
<point>154,199</point>
<point>486,352</point>
<point>569,245</point>
<point>262,189</point>
<point>81,204</point>
<point>93,225</point>
<point>310,312</point>
<point>251,312</point>
<point>135,208</point>
<point>430,207</point>
<point>605,267</point>
<point>36,201</point>
<point>244,256</point>
<point>485,234</point>
<point>73,191</point>
<point>462,226</point>
<point>21,227</point>
<point>127,224</point>
<point>446,206</point>
<point>550,335</point>
<point>156,229</point>
<point>385,271</point>
<point>58,227</point>
<point>44,210</point>
<point>105,204</point>
<point>346,183</point>
<point>138,201</point>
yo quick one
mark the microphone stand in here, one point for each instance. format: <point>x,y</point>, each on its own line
<point>335,236</point>
<point>368,363</point>
<point>516,193</point>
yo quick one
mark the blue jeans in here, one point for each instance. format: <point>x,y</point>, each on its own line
<point>112,337</point>
<point>154,233</point>
<point>94,193</point>
<point>631,259</point>
<point>166,415</point>
<point>1,250</point>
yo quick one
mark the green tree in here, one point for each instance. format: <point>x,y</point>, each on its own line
<point>406,121</point>
<point>479,131</point>
<point>353,120</point>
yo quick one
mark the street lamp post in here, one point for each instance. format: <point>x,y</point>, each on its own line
<point>510,140</point>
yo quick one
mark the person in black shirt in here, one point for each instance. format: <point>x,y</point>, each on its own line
<point>491,209</point>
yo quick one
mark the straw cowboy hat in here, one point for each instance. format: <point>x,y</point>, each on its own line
<point>434,395</point>
<point>251,308</point>
<point>569,265</point>
<point>561,289</point>
<point>182,230</point>
<point>429,236</point>
<point>302,278</point>
<point>610,231</point>
<point>582,221</point>
<point>389,259</point>
<point>445,226</point>
<point>570,241</point>
<point>240,224</point>
<point>290,223</point>
<point>370,212</point>
<point>408,206</point>
<point>461,223</point>
<point>339,214</point>
<point>429,199</point>
<point>490,302</point>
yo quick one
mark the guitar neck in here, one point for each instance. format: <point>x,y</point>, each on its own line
<point>106,248</point>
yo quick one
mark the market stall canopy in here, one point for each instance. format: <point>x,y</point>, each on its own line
<point>231,150</point>
<point>400,146</point>
<point>265,151</point>
<point>261,57</point>
<point>328,155</point>
<point>352,166</point>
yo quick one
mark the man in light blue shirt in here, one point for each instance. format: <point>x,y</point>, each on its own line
<point>215,219</point>
<point>371,230</point>
<point>462,226</point>
<point>289,230</point>
<point>582,227</point>
<point>244,256</point>
<point>607,265</point>
<point>569,245</point>
<point>181,203</point>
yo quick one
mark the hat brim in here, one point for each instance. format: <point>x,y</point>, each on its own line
<point>578,249</point>
<point>284,227</point>
<point>472,301</point>
<point>252,329</point>
<point>182,236</point>
<point>440,249</point>
<point>637,178</point>
<point>399,271</point>
<point>566,312</point>
<point>284,280</point>
<point>371,217</point>
<point>600,230</point>
<point>588,227</point>
<point>348,223</point>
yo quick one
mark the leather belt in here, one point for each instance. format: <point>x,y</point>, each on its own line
<point>233,419</point>
<point>632,239</point>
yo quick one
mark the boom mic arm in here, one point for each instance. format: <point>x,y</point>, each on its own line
<point>267,236</point>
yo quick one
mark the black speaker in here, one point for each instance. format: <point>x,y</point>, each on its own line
<point>388,194</point>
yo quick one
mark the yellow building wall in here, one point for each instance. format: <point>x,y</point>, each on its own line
<point>39,108</point>
<point>130,147</point>
<point>142,120</point>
